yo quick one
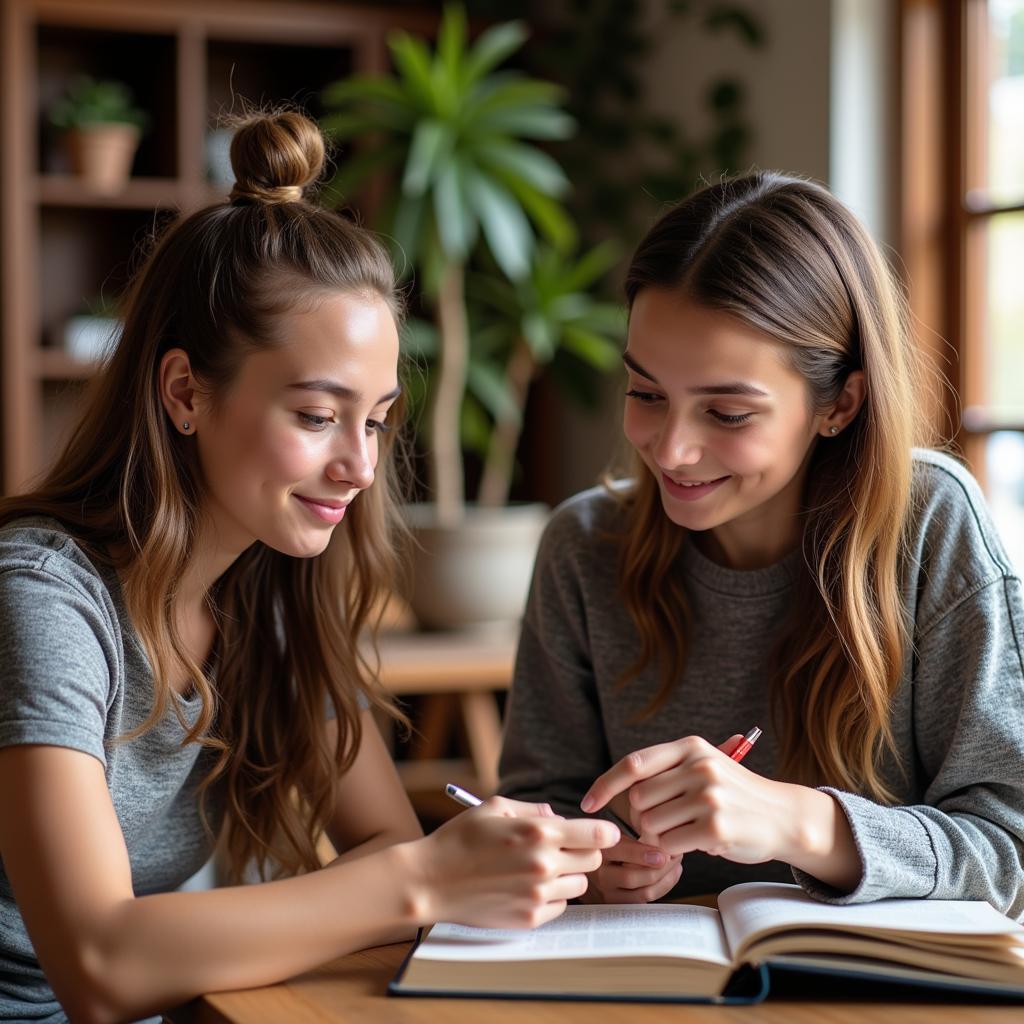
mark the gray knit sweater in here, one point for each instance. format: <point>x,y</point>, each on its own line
<point>957,717</point>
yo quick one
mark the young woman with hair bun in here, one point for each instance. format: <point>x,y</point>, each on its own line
<point>183,598</point>
<point>781,556</point>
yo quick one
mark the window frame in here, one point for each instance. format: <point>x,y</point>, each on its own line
<point>943,216</point>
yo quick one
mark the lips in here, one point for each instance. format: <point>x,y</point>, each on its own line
<point>691,490</point>
<point>328,510</point>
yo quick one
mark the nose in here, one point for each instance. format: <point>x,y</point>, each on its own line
<point>353,461</point>
<point>677,444</point>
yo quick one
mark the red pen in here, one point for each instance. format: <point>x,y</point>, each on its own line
<point>744,745</point>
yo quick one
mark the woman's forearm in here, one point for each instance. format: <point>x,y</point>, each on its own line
<point>155,951</point>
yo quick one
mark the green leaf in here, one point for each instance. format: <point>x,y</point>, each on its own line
<point>488,384</point>
<point>547,213</point>
<point>509,91</point>
<point>492,340</point>
<point>456,224</point>
<point>366,88</point>
<point>493,47</point>
<point>451,42</point>
<point>594,349</point>
<point>407,227</point>
<point>607,318</point>
<point>345,126</point>
<point>533,165</point>
<point>419,339</point>
<point>541,336</point>
<point>505,225</point>
<point>494,292</point>
<point>568,307</point>
<point>474,427</point>
<point>361,117</point>
<point>532,122</point>
<point>412,59</point>
<point>429,141</point>
<point>592,266</point>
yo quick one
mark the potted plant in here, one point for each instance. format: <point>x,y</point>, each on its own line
<point>101,126</point>
<point>460,134</point>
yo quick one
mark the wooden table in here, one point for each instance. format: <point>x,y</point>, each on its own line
<point>353,988</point>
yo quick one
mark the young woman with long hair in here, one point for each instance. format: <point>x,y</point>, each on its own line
<point>783,556</point>
<point>183,603</point>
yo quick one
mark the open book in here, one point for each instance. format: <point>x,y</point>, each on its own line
<point>682,952</point>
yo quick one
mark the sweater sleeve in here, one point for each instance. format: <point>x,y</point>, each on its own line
<point>554,745</point>
<point>966,839</point>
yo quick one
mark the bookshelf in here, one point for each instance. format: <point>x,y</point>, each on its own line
<point>186,61</point>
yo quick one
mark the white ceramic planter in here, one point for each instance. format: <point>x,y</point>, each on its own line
<point>476,573</point>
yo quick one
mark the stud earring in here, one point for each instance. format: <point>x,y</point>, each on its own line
<point>185,426</point>
<point>833,431</point>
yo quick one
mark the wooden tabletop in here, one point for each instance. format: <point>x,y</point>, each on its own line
<point>353,989</point>
<point>449,662</point>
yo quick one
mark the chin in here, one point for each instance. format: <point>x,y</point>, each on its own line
<point>688,517</point>
<point>301,546</point>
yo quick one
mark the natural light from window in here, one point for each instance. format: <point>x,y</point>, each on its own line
<point>1004,342</point>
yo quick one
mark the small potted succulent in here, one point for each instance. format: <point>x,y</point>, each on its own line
<point>101,126</point>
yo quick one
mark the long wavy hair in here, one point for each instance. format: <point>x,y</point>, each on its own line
<point>128,487</point>
<point>782,255</point>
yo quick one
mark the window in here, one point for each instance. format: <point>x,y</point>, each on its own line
<point>993,254</point>
<point>962,226</point>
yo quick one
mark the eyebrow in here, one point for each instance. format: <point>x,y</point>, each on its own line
<point>334,388</point>
<point>737,387</point>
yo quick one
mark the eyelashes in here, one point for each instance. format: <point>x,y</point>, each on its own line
<point>733,421</point>
<point>647,397</point>
<point>727,419</point>
<point>315,422</point>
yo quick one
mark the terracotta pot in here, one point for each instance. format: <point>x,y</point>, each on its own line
<point>102,155</point>
<point>477,573</point>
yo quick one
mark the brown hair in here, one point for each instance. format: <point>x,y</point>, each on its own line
<point>128,487</point>
<point>784,256</point>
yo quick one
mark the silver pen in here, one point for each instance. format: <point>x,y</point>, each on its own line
<point>462,796</point>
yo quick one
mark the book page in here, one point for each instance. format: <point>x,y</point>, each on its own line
<point>752,909</point>
<point>614,930</point>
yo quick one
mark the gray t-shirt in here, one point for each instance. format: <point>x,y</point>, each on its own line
<point>75,675</point>
<point>957,716</point>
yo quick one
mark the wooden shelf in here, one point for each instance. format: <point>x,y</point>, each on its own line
<point>188,62</point>
<point>137,194</point>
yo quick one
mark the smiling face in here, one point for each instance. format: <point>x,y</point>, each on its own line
<point>296,437</point>
<point>722,422</point>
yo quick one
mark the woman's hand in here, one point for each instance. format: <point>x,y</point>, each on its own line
<point>504,864</point>
<point>689,795</point>
<point>633,872</point>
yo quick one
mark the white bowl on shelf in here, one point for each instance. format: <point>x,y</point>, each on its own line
<point>88,339</point>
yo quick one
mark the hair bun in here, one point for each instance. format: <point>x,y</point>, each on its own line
<point>275,156</point>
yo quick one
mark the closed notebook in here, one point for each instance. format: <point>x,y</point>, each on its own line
<point>688,953</point>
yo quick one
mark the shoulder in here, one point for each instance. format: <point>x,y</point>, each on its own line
<point>953,546</point>
<point>588,520</point>
<point>38,556</point>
